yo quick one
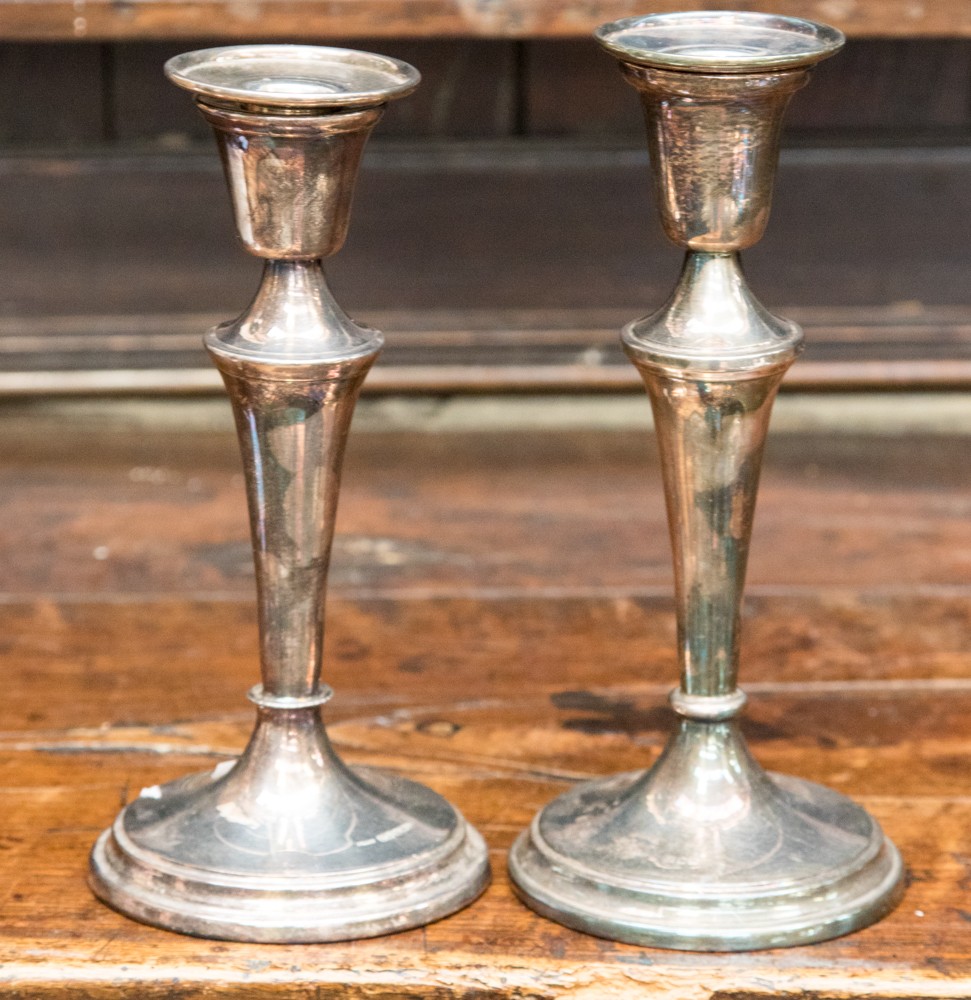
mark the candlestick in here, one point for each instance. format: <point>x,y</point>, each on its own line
<point>705,850</point>
<point>288,843</point>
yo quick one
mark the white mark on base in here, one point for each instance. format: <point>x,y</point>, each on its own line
<point>394,833</point>
<point>233,814</point>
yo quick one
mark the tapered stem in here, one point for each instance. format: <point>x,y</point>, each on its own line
<point>293,406</point>
<point>711,435</point>
<point>712,359</point>
<point>292,436</point>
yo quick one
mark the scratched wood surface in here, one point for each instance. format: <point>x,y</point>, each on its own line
<point>499,626</point>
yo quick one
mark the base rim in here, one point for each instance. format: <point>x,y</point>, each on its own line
<point>199,903</point>
<point>561,891</point>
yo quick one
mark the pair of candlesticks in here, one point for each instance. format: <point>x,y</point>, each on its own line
<point>702,851</point>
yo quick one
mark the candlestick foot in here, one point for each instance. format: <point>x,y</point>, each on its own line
<point>234,853</point>
<point>707,852</point>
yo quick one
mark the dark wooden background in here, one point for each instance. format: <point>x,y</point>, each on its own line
<point>503,226</point>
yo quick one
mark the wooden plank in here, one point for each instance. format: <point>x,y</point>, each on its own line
<point>441,351</point>
<point>289,19</point>
<point>450,380</point>
<point>903,90</point>
<point>495,227</point>
<point>844,735</point>
<point>57,941</point>
<point>887,728</point>
<point>825,670</point>
<point>500,627</point>
<point>60,97</point>
<point>464,513</point>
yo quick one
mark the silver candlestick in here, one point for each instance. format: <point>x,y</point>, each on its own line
<point>287,843</point>
<point>705,850</point>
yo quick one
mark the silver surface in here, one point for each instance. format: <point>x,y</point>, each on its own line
<point>706,851</point>
<point>719,41</point>
<point>288,843</point>
<point>293,79</point>
<point>310,161</point>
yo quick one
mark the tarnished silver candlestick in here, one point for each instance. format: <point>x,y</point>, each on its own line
<point>287,843</point>
<point>705,850</point>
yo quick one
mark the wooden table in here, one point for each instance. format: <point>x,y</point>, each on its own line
<point>500,626</point>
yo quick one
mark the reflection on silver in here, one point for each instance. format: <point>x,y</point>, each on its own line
<point>705,850</point>
<point>287,843</point>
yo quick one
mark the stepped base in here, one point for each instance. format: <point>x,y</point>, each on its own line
<point>290,848</point>
<point>707,852</point>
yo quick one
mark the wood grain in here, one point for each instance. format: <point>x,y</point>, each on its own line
<point>148,512</point>
<point>172,664</point>
<point>55,940</point>
<point>287,19</point>
<point>500,627</point>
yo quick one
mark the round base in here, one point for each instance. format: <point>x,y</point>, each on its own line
<point>389,855</point>
<point>796,863</point>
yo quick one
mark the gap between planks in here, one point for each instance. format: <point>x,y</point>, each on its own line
<point>880,414</point>
<point>816,593</point>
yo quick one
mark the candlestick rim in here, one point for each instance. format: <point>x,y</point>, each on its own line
<point>748,361</point>
<point>810,41</point>
<point>296,78</point>
<point>310,362</point>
